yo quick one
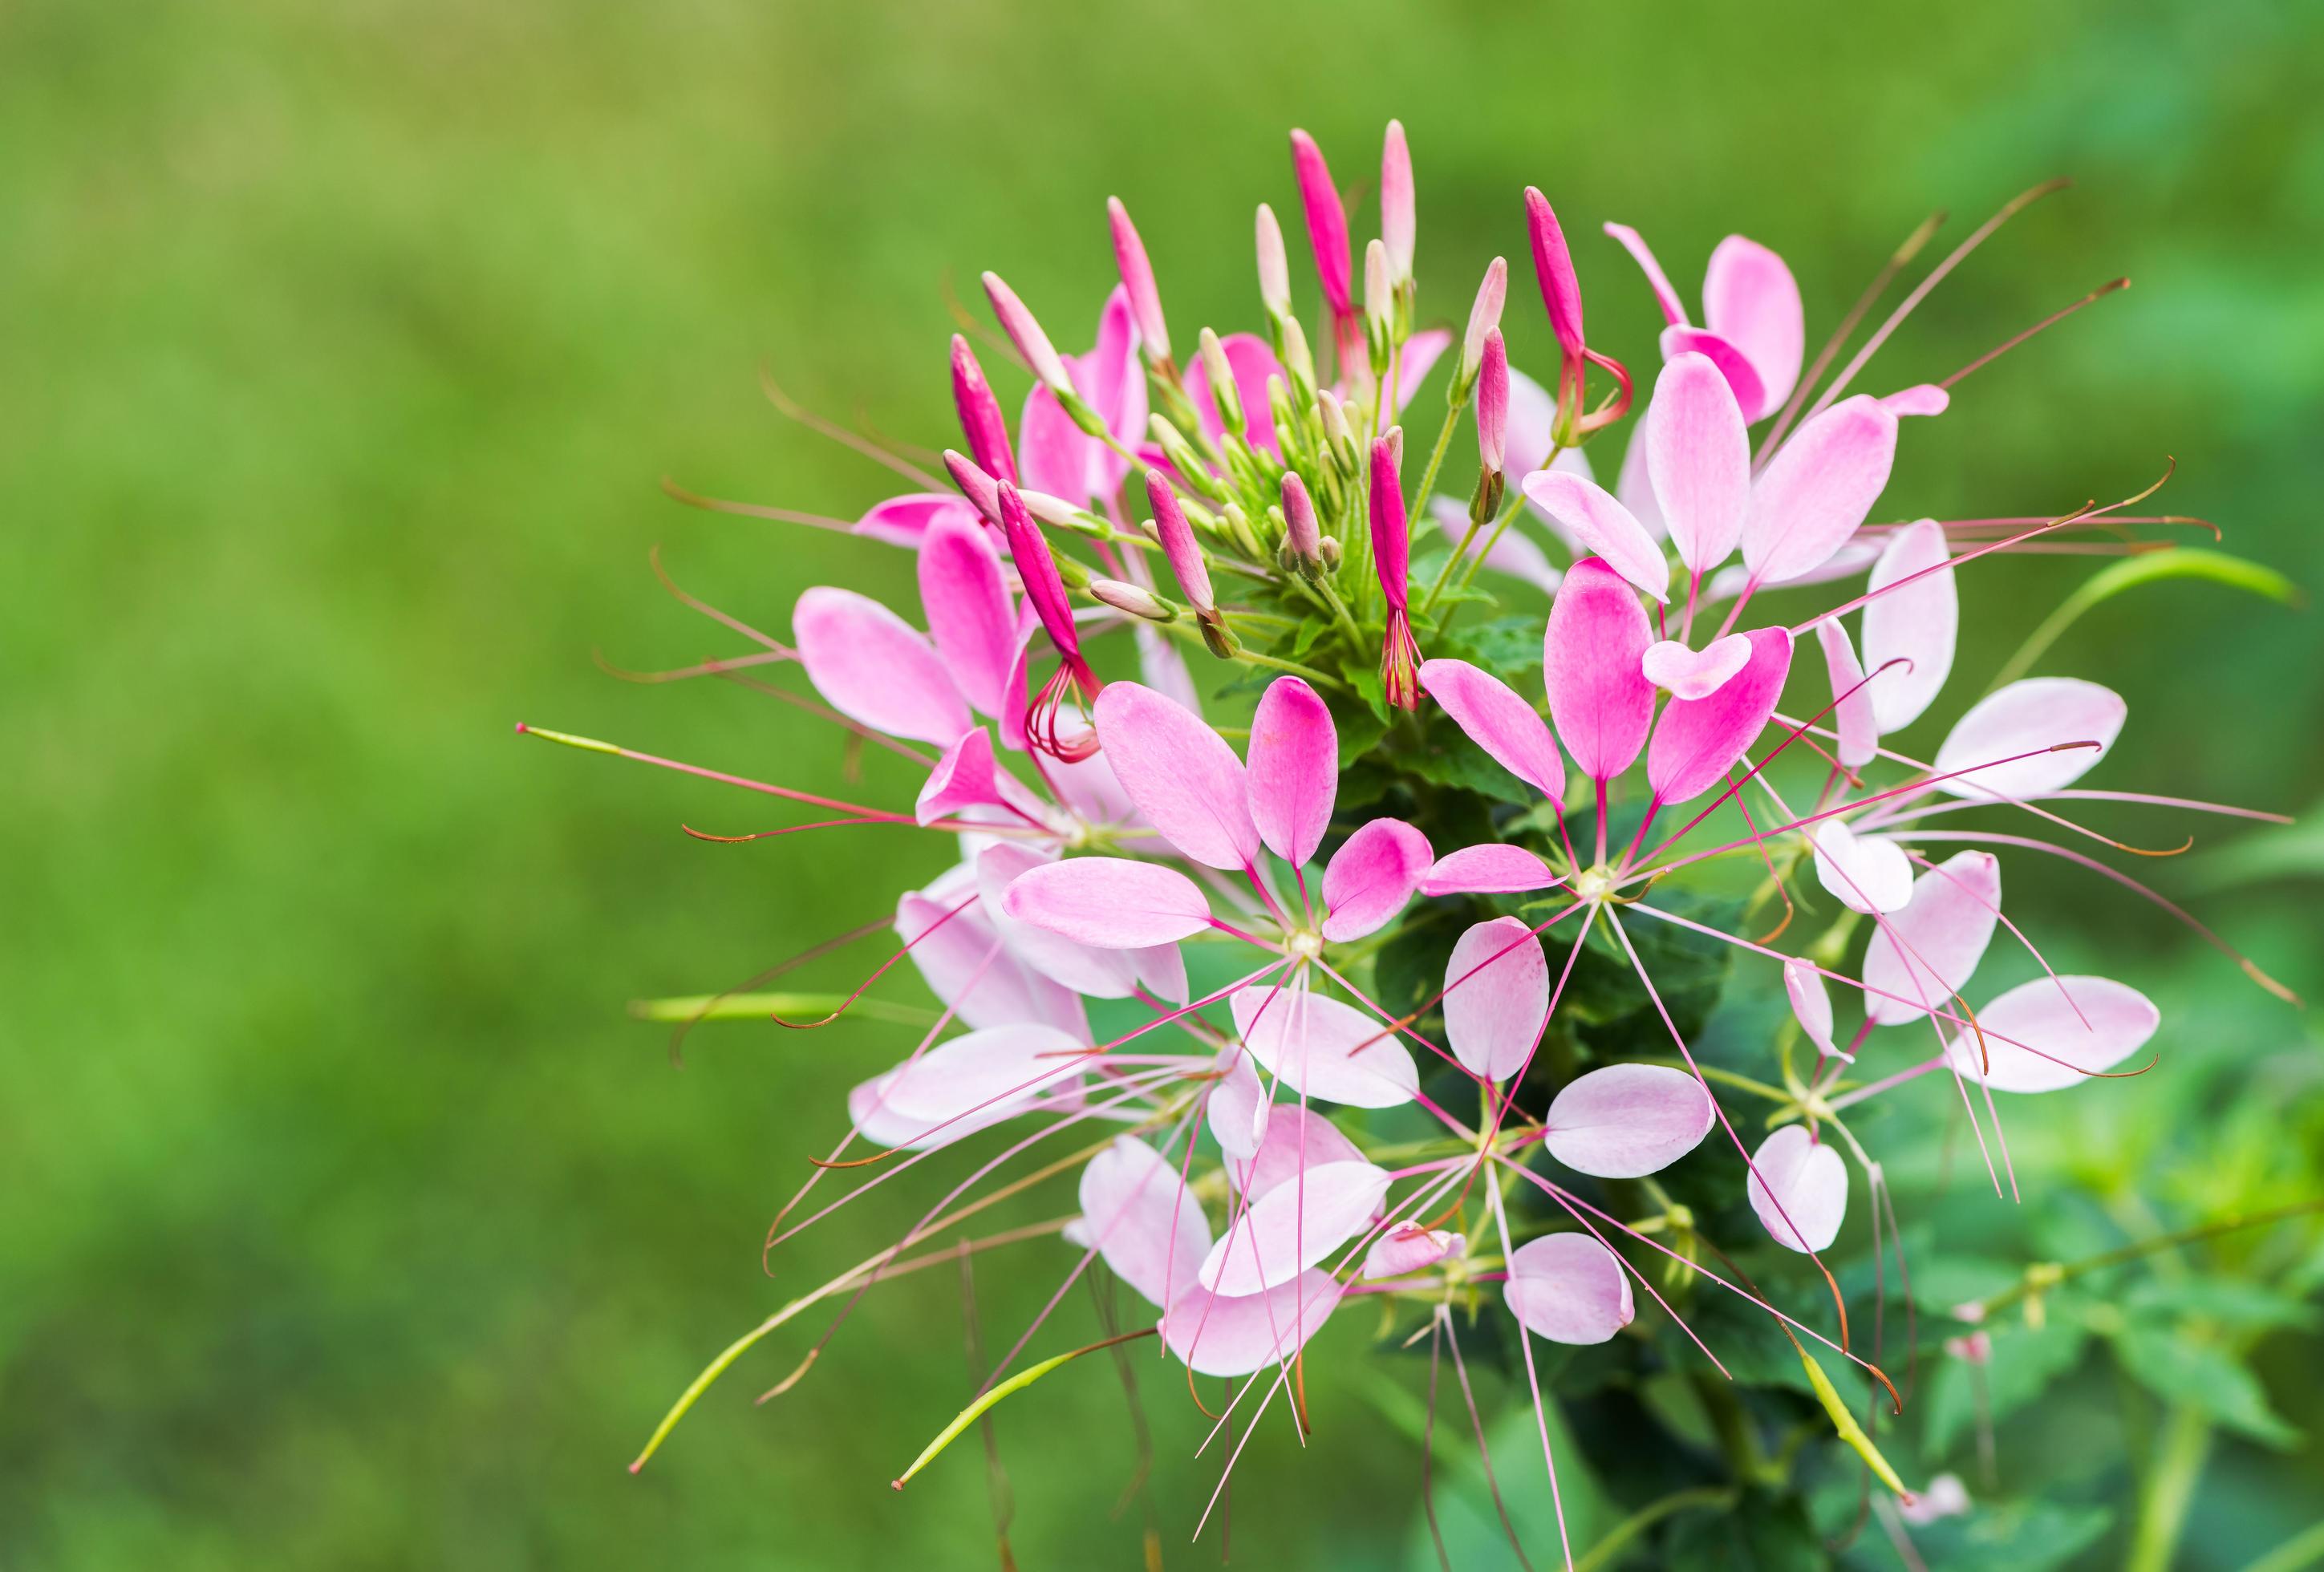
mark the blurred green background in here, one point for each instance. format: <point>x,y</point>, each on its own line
<point>348,1222</point>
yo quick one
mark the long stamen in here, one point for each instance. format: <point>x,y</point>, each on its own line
<point>2007,344</point>
<point>1898,262</point>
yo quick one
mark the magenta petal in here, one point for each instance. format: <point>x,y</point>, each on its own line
<point>1699,460</point>
<point>1869,874</point>
<point>1185,780</point>
<point>1695,673</point>
<point>1370,877</point>
<point>971,618</point>
<point>1311,1042</point>
<point>1294,1139</point>
<point>966,777</point>
<point>1293,776</point>
<point>1627,1121</point>
<point>1735,368</point>
<point>1141,1216</point>
<point>1916,624</point>
<point>1598,698</point>
<point>1495,998</point>
<point>1294,1227</point>
<point>872,666</point>
<point>1098,974</point>
<point>1852,719</point>
<point>1408,1247</point>
<point>1603,525</point>
<point>1568,1288</point>
<point>1327,223</point>
<point>1697,740</point>
<point>963,1086</point>
<point>2038,713</point>
<point>2037,1039</point>
<point>1811,1004</point>
<point>1498,719</point>
<point>1667,298</point>
<point>1109,902</point>
<point>1818,488</point>
<point>1489,869</point>
<point>1750,299</point>
<point>905,520</point>
<point>1216,1334</point>
<point>1942,932</point>
<point>1797,1177</point>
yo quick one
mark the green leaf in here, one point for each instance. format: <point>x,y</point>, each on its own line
<point>2025,1362</point>
<point>2232,1302</point>
<point>2185,563</point>
<point>2023,1536</point>
<point>2180,1368</point>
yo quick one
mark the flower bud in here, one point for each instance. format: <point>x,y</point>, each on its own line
<point>1398,227</point>
<point>1483,316</point>
<point>1274,271</point>
<point>1180,455</point>
<point>1336,431</point>
<point>1327,223</point>
<point>1136,600</point>
<point>1026,334</point>
<point>1221,378</point>
<point>1560,292</point>
<point>1493,404</point>
<point>982,492</point>
<point>1302,537</point>
<point>1391,531</point>
<point>1332,553</point>
<point>1178,543</point>
<point>1379,305</point>
<point>1137,281</point>
<point>1036,566</point>
<point>1058,513</point>
<point>980,420</point>
<point>1393,439</point>
<point>1299,360</point>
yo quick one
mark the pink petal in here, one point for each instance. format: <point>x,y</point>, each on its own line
<point>1865,874</point>
<point>1395,201</point>
<point>1532,437</point>
<point>1750,299</point>
<point>1419,357</point>
<point>966,965</point>
<point>1109,902</point>
<point>1252,362</point>
<point>1218,1336</point>
<point>1087,786</point>
<point>1818,488</point>
<point>1294,1139</point>
<point>1568,1288</point>
<point>1695,673</point>
<point>1923,398</point>
<point>1600,699</point>
<point>1603,525</point>
<point>1098,974</point>
<point>1943,931</point>
<point>1917,624</point>
<point>1161,970</point>
<point>1495,998</point>
<point>905,520</point>
<point>1293,773</point>
<point>1408,1247</point>
<point>1699,460</point>
<point>1143,1220</point>
<point>1634,488</point>
<point>1237,1111</point>
<point>1370,877</point>
<point>963,1086</point>
<point>1164,668</point>
<point>870,666</point>
<point>1697,740</point>
<point>1294,1227</point>
<point>1489,869</point>
<point>1797,1177</point>
<point>1667,298</point>
<point>2104,1023</point>
<point>1734,367</point>
<point>1853,717</point>
<point>2037,712</point>
<point>1013,686</point>
<point>971,618</point>
<point>1627,1121</point>
<point>1185,780</point>
<point>966,778</point>
<point>1812,1004</point>
<point>1848,561</point>
<point>1498,719</point>
<point>1310,1043</point>
<point>1053,453</point>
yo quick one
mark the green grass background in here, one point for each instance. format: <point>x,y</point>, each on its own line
<point>345,1221</point>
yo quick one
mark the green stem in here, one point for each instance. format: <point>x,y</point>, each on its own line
<point>2169,1489</point>
<point>1184,630</point>
<point>759,1006</point>
<point>2042,1278</point>
<point>1603,1553</point>
<point>1436,459</point>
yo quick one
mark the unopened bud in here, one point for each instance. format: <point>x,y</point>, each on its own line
<point>1483,316</point>
<point>1553,264</point>
<point>1393,440</point>
<point>1299,360</point>
<point>1493,404</point>
<point>1180,455</point>
<point>982,492</point>
<point>1327,222</point>
<point>1336,431</point>
<point>1397,224</point>
<point>1302,537</point>
<point>1379,305</point>
<point>1274,269</point>
<point>1136,600</point>
<point>1026,334</point>
<point>1332,553</point>
<point>1058,513</point>
<point>980,420</point>
<point>1178,543</point>
<point>1137,281</point>
<point>1220,373</point>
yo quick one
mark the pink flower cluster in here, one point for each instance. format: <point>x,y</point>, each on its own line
<point>1113,843</point>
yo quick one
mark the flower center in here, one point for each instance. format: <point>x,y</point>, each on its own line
<point>1593,884</point>
<point>1304,944</point>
